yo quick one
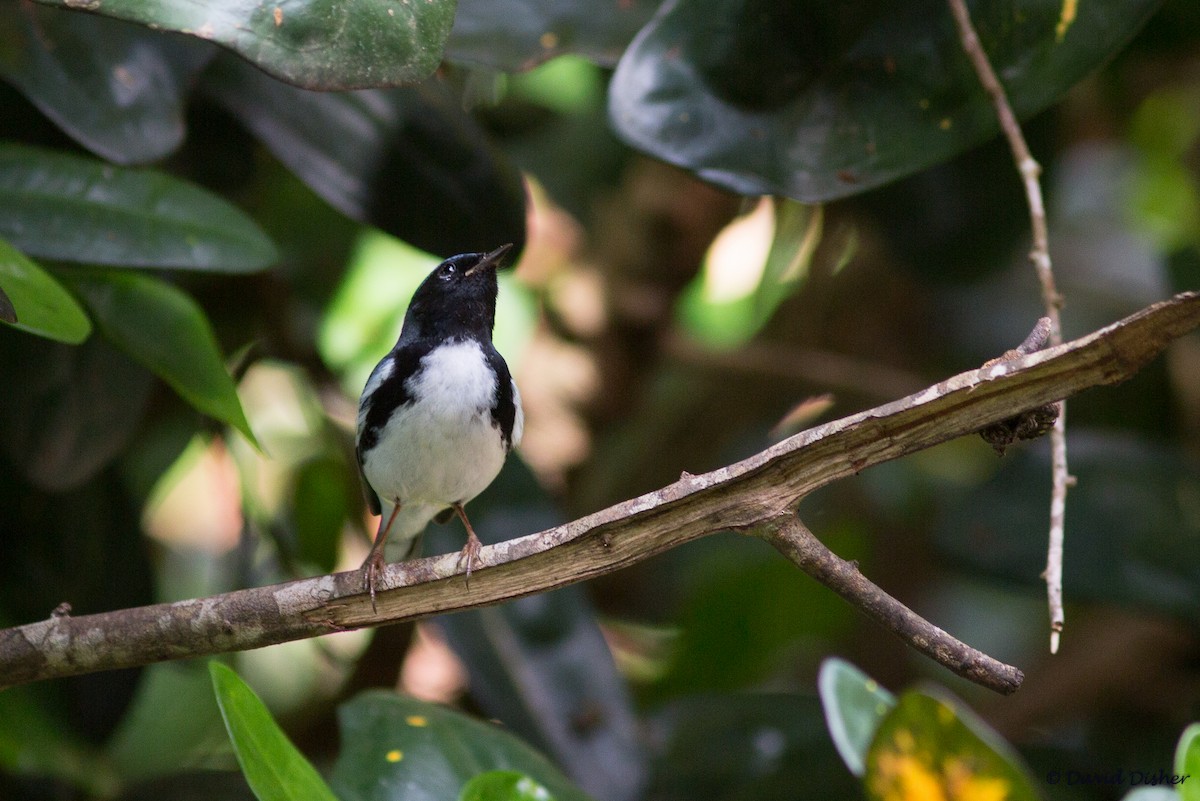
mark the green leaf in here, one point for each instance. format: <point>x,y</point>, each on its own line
<point>313,43</point>
<point>273,767</point>
<point>399,747</point>
<point>115,88</point>
<point>931,746</point>
<point>59,206</point>
<point>504,785</point>
<point>1187,763</point>
<point>818,101</point>
<point>854,705</point>
<point>409,161</point>
<point>32,300</point>
<point>164,329</point>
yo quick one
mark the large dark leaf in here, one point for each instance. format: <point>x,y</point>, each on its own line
<point>67,411</point>
<point>314,43</point>
<point>514,35</point>
<point>821,100</point>
<point>60,206</point>
<point>394,747</point>
<point>408,161</point>
<point>540,664</point>
<point>116,88</point>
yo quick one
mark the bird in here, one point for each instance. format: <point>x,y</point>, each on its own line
<point>439,414</point>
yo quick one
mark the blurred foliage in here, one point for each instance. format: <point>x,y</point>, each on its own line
<point>202,250</point>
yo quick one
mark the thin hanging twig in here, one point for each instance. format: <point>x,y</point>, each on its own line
<point>1030,171</point>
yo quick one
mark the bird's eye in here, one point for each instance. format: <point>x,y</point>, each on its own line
<point>447,272</point>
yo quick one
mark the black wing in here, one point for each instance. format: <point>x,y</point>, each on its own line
<point>504,410</point>
<point>377,408</point>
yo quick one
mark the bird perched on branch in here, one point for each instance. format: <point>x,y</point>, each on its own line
<point>439,413</point>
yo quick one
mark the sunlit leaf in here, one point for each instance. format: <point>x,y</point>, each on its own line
<point>32,300</point>
<point>854,705</point>
<point>929,746</point>
<point>116,88</point>
<point>819,101</point>
<point>60,206</point>
<point>273,767</point>
<point>164,329</point>
<point>311,43</point>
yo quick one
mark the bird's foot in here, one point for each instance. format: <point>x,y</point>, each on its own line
<point>470,553</point>
<point>371,569</point>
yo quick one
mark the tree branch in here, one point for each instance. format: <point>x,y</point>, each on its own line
<point>742,496</point>
<point>793,539</point>
<point>1039,254</point>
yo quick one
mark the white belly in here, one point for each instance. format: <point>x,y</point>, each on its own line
<point>442,448</point>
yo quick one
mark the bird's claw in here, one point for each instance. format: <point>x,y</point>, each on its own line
<point>470,553</point>
<point>371,569</point>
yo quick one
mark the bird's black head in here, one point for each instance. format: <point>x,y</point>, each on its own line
<point>457,299</point>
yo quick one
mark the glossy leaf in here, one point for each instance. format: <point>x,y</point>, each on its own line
<point>930,746</point>
<point>854,705</point>
<point>273,767</point>
<point>59,206</point>
<point>67,410</point>
<point>504,785</point>
<point>116,88</point>
<point>32,300</point>
<point>819,101</point>
<point>311,43</point>
<point>398,747</point>
<point>515,35</point>
<point>409,161</point>
<point>1187,763</point>
<point>164,329</point>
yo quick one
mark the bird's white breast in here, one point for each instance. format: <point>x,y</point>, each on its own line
<point>442,447</point>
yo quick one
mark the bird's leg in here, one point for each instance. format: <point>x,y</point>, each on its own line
<point>470,551</point>
<point>373,564</point>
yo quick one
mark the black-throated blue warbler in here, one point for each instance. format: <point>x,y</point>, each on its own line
<point>439,413</point>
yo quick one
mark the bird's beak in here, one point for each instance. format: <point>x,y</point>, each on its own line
<point>492,260</point>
